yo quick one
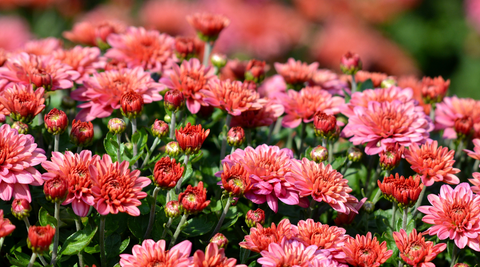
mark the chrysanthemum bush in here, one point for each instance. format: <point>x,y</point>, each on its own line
<point>148,150</point>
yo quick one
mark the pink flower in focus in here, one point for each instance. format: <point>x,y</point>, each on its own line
<point>330,81</point>
<point>22,102</point>
<point>265,116</point>
<point>74,168</point>
<point>453,108</point>
<point>18,154</point>
<point>116,188</point>
<point>139,47</point>
<point>414,250</point>
<point>84,60</point>
<point>42,47</point>
<point>260,237</point>
<point>152,254</point>
<point>191,78</point>
<point>93,32</point>
<point>296,72</point>
<point>104,90</point>
<point>381,124</point>
<point>6,227</point>
<point>301,106</point>
<point>455,214</point>
<point>213,257</point>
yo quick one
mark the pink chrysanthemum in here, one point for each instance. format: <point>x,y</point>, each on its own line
<point>414,250</point>
<point>296,72</point>
<point>260,237</point>
<point>192,79</point>
<point>453,108</point>
<point>265,116</point>
<point>42,47</point>
<point>94,33</point>
<point>116,188</point>
<point>43,71</point>
<point>213,257</point>
<point>387,123</point>
<point>301,106</point>
<point>84,60</point>
<point>476,182</point>
<point>455,214</point>
<point>6,227</point>
<point>22,102</point>
<point>103,91</point>
<point>74,168</point>
<point>142,48</point>
<point>18,155</point>
<point>156,254</point>
<point>433,163</point>
<point>475,154</point>
<point>323,183</point>
<point>267,167</point>
<point>272,87</point>
<point>330,81</point>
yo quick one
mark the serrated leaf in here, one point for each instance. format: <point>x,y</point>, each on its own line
<point>199,225</point>
<point>44,218</point>
<point>78,241</point>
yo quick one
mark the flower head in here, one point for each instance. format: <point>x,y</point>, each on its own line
<point>160,129</point>
<point>55,189</point>
<point>214,256</point>
<point>454,214</point>
<point>464,127</point>
<point>325,126</point>
<point>173,209</point>
<point>172,149</point>
<point>255,216</point>
<point>116,188</point>
<point>364,251</point>
<point>404,191</point>
<point>187,47</point>
<point>81,133</point>
<point>22,102</point>
<point>390,158</point>
<point>319,154</point>
<point>191,137</point>
<point>330,81</point>
<point>220,240</point>
<point>116,126</point>
<point>21,127</point>
<point>454,108</point>
<point>131,104</point>
<point>84,60</point>
<point>21,208</point>
<point>414,250</point>
<point>151,254</point>
<point>288,253</point>
<point>167,172</point>
<point>235,179</point>
<point>56,121</point>
<point>194,199</point>
<point>296,73</point>
<point>94,33</point>
<point>261,237</point>
<point>434,90</point>
<point>350,63</point>
<point>174,100</point>
<point>265,116</point>
<point>236,136</point>
<point>40,238</point>
<point>6,227</point>
<point>42,47</point>
<point>255,70</point>
<point>208,26</point>
<point>433,163</point>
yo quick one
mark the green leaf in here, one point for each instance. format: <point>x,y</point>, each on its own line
<point>92,250</point>
<point>368,84</point>
<point>200,225</point>
<point>110,144</point>
<point>21,259</point>
<point>44,218</point>
<point>188,172</point>
<point>338,162</point>
<point>138,225</point>
<point>78,241</point>
<point>114,245</point>
<point>307,153</point>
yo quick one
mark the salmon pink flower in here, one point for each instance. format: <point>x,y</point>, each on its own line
<point>103,91</point>
<point>115,188</point>
<point>272,87</point>
<point>6,227</point>
<point>84,60</point>
<point>476,182</point>
<point>194,199</point>
<point>296,73</point>
<point>453,108</point>
<point>56,121</point>
<point>74,168</point>
<point>22,102</point>
<point>208,26</point>
<point>18,156</point>
<point>191,78</point>
<point>235,179</point>
<point>414,250</point>
<point>366,252</point>
<point>213,257</point>
<point>42,47</point>
<point>151,254</point>
<point>265,116</point>
<point>260,237</point>
<point>434,90</point>
<point>381,124</point>
<point>323,183</point>
<point>167,172</point>
<point>330,81</point>
<point>433,163</point>
<point>413,83</point>
<point>21,208</point>
<point>302,106</point>
<point>291,253</point>
<point>187,47</point>
<point>94,33</point>
<point>139,47</point>
<point>454,214</point>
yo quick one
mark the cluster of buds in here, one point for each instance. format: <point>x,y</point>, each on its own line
<point>131,104</point>
<point>56,121</point>
<point>81,133</point>
<point>174,100</point>
<point>40,238</point>
<point>326,126</point>
<point>255,216</point>
<point>21,208</point>
<point>319,154</point>
<point>194,199</point>
<point>236,136</point>
<point>401,190</point>
<point>350,63</point>
<point>55,189</point>
<point>173,209</point>
<point>390,158</point>
<point>220,240</point>
<point>160,129</point>
<point>167,172</point>
<point>255,71</point>
<point>116,126</point>
<point>434,90</point>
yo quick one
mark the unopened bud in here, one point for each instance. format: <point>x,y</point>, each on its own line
<point>354,154</point>
<point>21,127</point>
<point>319,154</point>
<point>174,100</point>
<point>464,127</point>
<point>369,206</point>
<point>160,129</point>
<point>326,126</point>
<point>81,133</point>
<point>255,71</point>
<point>56,189</point>
<point>42,80</point>
<point>21,208</point>
<point>350,63</point>
<point>173,209</point>
<point>172,149</point>
<point>218,60</point>
<point>220,240</point>
<point>255,216</point>
<point>131,104</point>
<point>40,238</point>
<point>116,126</point>
<point>56,121</point>
<point>236,136</point>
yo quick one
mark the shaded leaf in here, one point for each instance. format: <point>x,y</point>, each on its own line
<point>78,241</point>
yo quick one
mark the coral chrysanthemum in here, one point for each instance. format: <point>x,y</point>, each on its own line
<point>260,237</point>
<point>94,33</point>
<point>153,254</point>
<point>476,182</point>
<point>404,191</point>
<point>265,116</point>
<point>194,199</point>
<point>301,106</point>
<point>323,183</point>
<point>381,124</point>
<point>191,137</point>
<point>454,214</point>
<point>433,163</point>
<point>167,172</point>
<point>74,168</point>
<point>267,167</point>
<point>414,250</point>
<point>103,91</point>
<point>475,154</point>
<point>22,102</point>
<point>366,252</point>
<point>191,78</point>
<point>84,60</point>
<point>6,227</point>
<point>18,156</point>
<point>139,47</point>
<point>116,188</point>
<point>42,71</point>
<point>208,26</point>
<point>296,72</point>
<point>213,257</point>
<point>235,179</point>
<point>453,108</point>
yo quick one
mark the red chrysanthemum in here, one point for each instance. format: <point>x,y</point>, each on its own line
<point>235,179</point>
<point>22,102</point>
<point>40,238</point>
<point>213,257</point>
<point>404,191</point>
<point>191,137</point>
<point>194,199</point>
<point>156,254</point>
<point>414,250</point>
<point>167,172</point>
<point>364,251</point>
<point>296,72</point>
<point>260,237</point>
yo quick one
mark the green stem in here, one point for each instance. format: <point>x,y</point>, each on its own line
<point>270,132</point>
<point>149,153</point>
<point>152,213</point>
<point>56,239</point>
<point>394,212</point>
<point>432,113</point>
<point>179,229</point>
<point>56,142</point>
<point>32,259</point>
<point>354,84</point>
<point>249,137</point>
<point>135,148</point>
<point>454,255</point>
<point>377,196</point>
<point>302,137</point>
<point>245,254</point>
<point>119,141</point>
<point>167,226</point>
<point>405,218</point>
<point>367,184</point>
<point>289,143</point>
<point>179,183</point>
<point>78,225</point>
<point>224,141</point>
<point>345,169</point>
<point>79,149</point>
<point>1,242</point>
<point>419,201</point>
<point>224,213</point>
<point>103,256</point>
<point>172,126</point>
<point>330,152</point>
<point>475,165</point>
<point>313,203</point>
<point>206,52</point>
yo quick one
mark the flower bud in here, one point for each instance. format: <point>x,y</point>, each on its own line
<point>218,60</point>
<point>236,136</point>
<point>21,208</point>
<point>220,240</point>
<point>167,118</point>
<point>461,265</point>
<point>131,104</point>
<point>319,154</point>
<point>389,82</point>
<point>68,102</point>
<point>464,127</point>
<point>81,133</point>
<point>390,158</point>
<point>354,154</point>
<point>255,216</point>
<point>40,238</point>
<point>174,100</point>
<point>56,121</point>
<point>160,129</point>
<point>255,71</point>
<point>173,209</point>
<point>186,47</point>
<point>56,189</point>
<point>116,126</point>
<point>42,80</point>
<point>326,126</point>
<point>21,127</point>
<point>191,137</point>
<point>172,149</point>
<point>350,63</point>
<point>369,206</point>
<point>208,26</point>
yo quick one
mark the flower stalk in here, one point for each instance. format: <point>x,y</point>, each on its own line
<point>222,217</point>
<point>56,142</point>
<point>179,183</point>
<point>56,239</point>
<point>149,153</point>
<point>135,148</point>
<point>33,258</point>
<point>394,213</point>
<point>152,213</point>
<point>167,226</point>
<point>454,255</point>
<point>78,226</point>
<point>206,53</point>
<point>224,141</point>
<point>419,201</point>
<point>302,137</point>
<point>119,141</point>
<point>103,256</point>
<point>179,229</point>
<point>172,125</point>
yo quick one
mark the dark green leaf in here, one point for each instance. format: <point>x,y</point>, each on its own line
<point>138,225</point>
<point>368,84</point>
<point>78,241</point>
<point>44,218</point>
<point>338,162</point>
<point>92,250</point>
<point>200,225</point>
<point>114,245</point>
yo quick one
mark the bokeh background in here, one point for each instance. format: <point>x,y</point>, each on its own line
<point>398,37</point>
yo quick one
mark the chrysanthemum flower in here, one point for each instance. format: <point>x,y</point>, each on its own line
<point>42,47</point>
<point>94,33</point>
<point>74,168</point>
<point>139,47</point>
<point>84,60</point>
<point>390,158</point>
<point>452,108</point>
<point>296,72</point>
<point>22,102</point>
<point>376,77</point>
<point>329,80</point>
<point>191,78</point>
<point>434,90</point>
<point>151,254</point>
<point>414,250</point>
<point>366,252</point>
<point>413,83</point>
<point>323,183</point>
<point>433,163</point>
<point>19,154</point>
<point>385,123</point>
<point>267,167</point>
<point>191,137</point>
<point>6,227</point>
<point>255,216</point>
<point>81,133</point>
<point>288,253</point>
<point>454,214</point>
<point>265,116</point>
<point>213,257</point>
<point>235,179</point>
<point>167,172</point>
<point>260,237</point>
<point>42,71</point>
<point>208,26</point>
<point>194,199</point>
<point>116,188</point>
<point>40,238</point>
<point>301,106</point>
<point>404,191</point>
<point>475,154</point>
<point>476,182</point>
<point>103,91</point>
